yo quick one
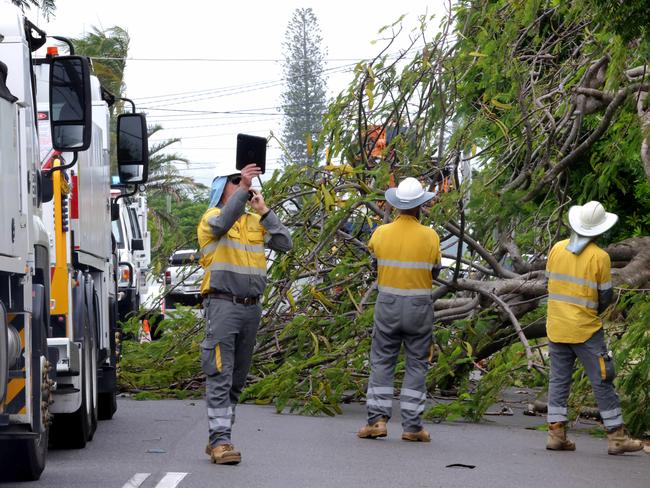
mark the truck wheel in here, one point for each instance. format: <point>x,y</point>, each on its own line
<point>71,430</point>
<point>107,405</point>
<point>25,459</point>
<point>92,388</point>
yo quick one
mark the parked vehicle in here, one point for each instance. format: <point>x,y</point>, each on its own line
<point>58,268</point>
<point>133,249</point>
<point>183,279</point>
<point>25,362</point>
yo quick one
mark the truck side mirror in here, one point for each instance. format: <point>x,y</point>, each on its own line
<point>70,103</point>
<point>137,245</point>
<point>132,149</point>
<point>45,186</point>
<point>115,211</point>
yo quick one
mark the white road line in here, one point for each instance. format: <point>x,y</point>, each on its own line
<point>137,480</point>
<point>171,480</point>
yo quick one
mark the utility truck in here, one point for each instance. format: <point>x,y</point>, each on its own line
<point>133,249</point>
<point>58,268</point>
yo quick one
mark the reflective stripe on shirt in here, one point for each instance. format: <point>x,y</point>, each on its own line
<point>224,241</point>
<point>579,281</point>
<point>404,264</point>
<point>249,270</point>
<point>208,248</point>
<point>415,292</point>
<point>574,300</point>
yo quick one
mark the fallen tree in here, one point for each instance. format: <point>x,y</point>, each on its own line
<point>516,111</point>
<point>511,113</point>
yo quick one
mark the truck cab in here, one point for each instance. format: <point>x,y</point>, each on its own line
<point>132,243</point>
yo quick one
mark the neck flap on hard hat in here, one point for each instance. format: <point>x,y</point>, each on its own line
<point>218,184</point>
<point>577,243</point>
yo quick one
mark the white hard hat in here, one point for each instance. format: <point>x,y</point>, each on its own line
<point>226,169</point>
<point>590,219</point>
<point>408,194</point>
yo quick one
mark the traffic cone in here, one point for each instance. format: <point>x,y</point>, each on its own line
<point>145,332</point>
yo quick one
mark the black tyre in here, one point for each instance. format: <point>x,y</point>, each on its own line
<point>107,405</point>
<point>25,458</point>
<point>92,397</point>
<point>71,430</point>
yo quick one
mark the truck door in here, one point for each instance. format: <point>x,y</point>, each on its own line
<point>10,180</point>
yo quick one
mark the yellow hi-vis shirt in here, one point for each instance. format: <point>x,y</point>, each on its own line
<point>406,252</point>
<point>573,284</point>
<point>235,262</point>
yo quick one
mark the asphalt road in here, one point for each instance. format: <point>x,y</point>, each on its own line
<point>160,444</point>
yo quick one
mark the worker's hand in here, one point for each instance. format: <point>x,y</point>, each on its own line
<point>249,172</point>
<point>257,202</point>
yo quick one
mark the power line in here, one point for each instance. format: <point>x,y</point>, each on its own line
<point>221,125</point>
<point>223,60</point>
<point>235,89</point>
<point>164,97</point>
<point>215,112</point>
<point>230,148</point>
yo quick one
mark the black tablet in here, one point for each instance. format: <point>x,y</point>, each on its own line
<point>251,149</point>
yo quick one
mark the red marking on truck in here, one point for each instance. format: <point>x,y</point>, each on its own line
<point>52,155</point>
<point>74,200</point>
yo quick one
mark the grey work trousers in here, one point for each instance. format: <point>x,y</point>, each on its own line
<point>400,320</point>
<point>598,366</point>
<point>226,354</point>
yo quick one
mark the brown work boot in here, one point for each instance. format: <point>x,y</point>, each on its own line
<point>378,429</point>
<point>223,454</point>
<point>557,440</point>
<point>618,442</point>
<point>421,436</point>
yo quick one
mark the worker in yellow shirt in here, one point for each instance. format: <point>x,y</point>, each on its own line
<point>579,289</point>
<point>408,259</point>
<point>232,253</point>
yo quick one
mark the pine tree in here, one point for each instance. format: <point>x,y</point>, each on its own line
<point>303,100</point>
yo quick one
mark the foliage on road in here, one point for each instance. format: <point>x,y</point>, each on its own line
<point>169,365</point>
<point>512,112</point>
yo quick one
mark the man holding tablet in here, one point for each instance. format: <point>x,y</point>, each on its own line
<point>232,253</point>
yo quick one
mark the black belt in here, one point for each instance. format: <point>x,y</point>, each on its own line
<point>220,295</point>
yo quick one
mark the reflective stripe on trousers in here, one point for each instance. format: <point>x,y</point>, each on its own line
<point>233,328</point>
<point>408,321</point>
<point>598,367</point>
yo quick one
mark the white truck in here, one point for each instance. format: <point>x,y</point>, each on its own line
<point>133,248</point>
<point>58,318</point>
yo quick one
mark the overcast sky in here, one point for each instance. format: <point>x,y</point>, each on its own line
<point>221,56</point>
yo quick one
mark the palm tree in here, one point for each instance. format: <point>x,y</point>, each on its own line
<point>108,49</point>
<point>165,181</point>
<point>164,177</point>
<point>46,6</point>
